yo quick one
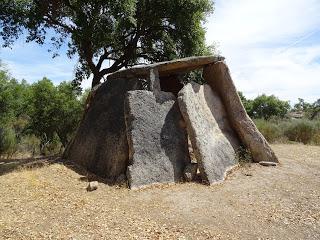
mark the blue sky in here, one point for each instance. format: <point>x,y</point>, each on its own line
<point>271,46</point>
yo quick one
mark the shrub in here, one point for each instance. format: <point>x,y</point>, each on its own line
<point>316,137</point>
<point>301,131</point>
<point>53,147</point>
<point>277,130</point>
<point>30,144</point>
<point>8,141</point>
<point>270,130</point>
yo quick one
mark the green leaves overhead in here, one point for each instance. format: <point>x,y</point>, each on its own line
<point>123,32</point>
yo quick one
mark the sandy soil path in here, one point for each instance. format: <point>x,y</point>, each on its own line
<point>50,202</point>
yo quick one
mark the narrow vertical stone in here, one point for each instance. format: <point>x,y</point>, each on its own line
<point>218,76</point>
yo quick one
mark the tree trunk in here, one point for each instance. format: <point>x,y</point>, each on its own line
<point>96,80</point>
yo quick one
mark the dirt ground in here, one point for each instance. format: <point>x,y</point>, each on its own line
<point>50,201</point>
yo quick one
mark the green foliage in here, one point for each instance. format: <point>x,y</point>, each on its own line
<point>302,105</point>
<point>54,111</point>
<point>310,110</point>
<point>265,106</point>
<point>247,103</point>
<point>270,130</point>
<point>193,76</point>
<point>29,144</point>
<point>68,109</point>
<point>125,32</point>
<point>43,110</point>
<point>37,118</point>
<point>301,131</point>
<point>314,112</point>
<point>8,141</point>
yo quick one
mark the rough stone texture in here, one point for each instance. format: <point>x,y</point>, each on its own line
<point>158,148</point>
<point>121,180</point>
<point>92,186</point>
<point>208,129</point>
<point>218,77</point>
<point>167,68</point>
<point>190,172</point>
<point>214,103</point>
<point>100,144</point>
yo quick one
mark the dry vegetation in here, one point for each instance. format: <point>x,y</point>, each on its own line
<point>48,200</point>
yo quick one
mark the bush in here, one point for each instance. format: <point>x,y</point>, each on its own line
<point>8,141</point>
<point>52,147</point>
<point>301,131</point>
<point>270,130</point>
<point>277,130</point>
<point>316,138</point>
<point>30,144</point>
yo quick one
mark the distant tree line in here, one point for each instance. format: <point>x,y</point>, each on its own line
<point>279,122</point>
<point>266,107</point>
<point>39,117</point>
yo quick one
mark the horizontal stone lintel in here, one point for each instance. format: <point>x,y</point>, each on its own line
<point>167,68</point>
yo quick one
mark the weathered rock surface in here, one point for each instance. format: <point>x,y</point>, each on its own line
<point>92,186</point>
<point>209,131</point>
<point>190,172</point>
<point>218,77</point>
<point>167,68</point>
<point>158,148</point>
<point>100,144</point>
<point>156,134</point>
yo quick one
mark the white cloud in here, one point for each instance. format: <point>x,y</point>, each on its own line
<point>271,46</point>
<point>32,62</point>
<point>265,45</point>
<point>56,71</point>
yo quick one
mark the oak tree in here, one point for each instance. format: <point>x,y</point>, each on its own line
<point>119,32</point>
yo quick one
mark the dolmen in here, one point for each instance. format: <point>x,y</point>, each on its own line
<point>141,122</point>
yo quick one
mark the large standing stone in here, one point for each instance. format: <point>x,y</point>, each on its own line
<point>213,140</point>
<point>100,144</point>
<point>158,147</point>
<point>218,77</point>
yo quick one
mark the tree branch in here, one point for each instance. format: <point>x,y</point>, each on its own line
<point>50,20</point>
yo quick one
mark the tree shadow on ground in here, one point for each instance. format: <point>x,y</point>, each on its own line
<point>14,164</point>
<point>85,175</point>
<point>10,165</point>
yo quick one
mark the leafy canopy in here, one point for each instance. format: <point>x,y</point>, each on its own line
<point>311,110</point>
<point>54,110</point>
<point>41,111</point>
<point>265,106</point>
<point>123,32</point>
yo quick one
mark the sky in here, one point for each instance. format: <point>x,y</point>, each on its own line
<point>271,47</point>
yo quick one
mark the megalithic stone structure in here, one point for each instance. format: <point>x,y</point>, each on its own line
<point>158,143</point>
<point>213,140</point>
<point>135,125</point>
<point>218,77</point>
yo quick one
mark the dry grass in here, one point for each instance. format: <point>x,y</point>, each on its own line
<point>50,201</point>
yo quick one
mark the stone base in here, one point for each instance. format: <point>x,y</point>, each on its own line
<point>213,140</point>
<point>158,145</point>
